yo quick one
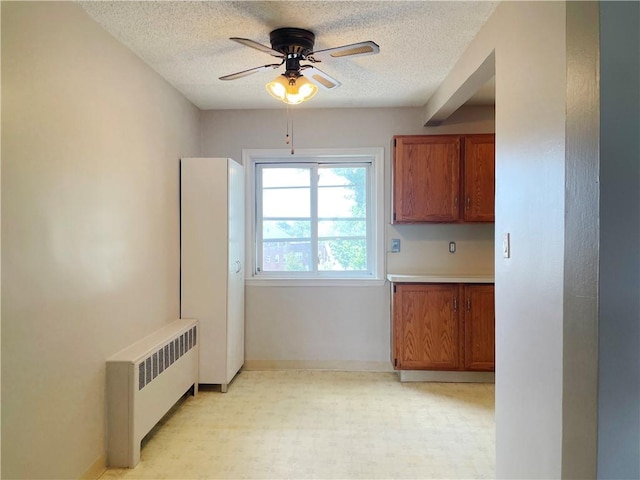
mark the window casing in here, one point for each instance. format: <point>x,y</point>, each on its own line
<point>315,217</point>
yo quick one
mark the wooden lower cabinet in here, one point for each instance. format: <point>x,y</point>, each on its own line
<point>479,327</point>
<point>443,326</point>
<point>426,327</point>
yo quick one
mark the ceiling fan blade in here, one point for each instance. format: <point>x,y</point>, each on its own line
<point>251,71</point>
<point>353,50</point>
<point>320,78</point>
<point>257,46</point>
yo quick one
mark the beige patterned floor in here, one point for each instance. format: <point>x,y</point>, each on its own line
<point>324,425</point>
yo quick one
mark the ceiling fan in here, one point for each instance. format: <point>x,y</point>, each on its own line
<point>294,45</point>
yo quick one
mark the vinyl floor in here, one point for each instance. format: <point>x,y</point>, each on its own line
<point>323,425</point>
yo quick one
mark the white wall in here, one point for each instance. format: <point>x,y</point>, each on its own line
<point>545,403</point>
<point>91,139</point>
<point>345,327</point>
<point>530,123</point>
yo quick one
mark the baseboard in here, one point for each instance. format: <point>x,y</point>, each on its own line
<point>335,365</point>
<point>458,377</point>
<point>96,469</point>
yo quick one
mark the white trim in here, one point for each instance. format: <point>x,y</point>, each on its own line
<point>314,216</point>
<point>264,281</point>
<point>96,469</point>
<point>374,154</point>
<point>332,365</point>
<point>446,376</point>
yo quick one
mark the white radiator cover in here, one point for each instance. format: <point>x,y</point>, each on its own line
<point>143,382</point>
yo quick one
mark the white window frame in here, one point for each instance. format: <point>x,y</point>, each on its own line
<point>375,201</point>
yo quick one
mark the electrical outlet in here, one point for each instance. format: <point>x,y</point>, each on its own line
<point>452,247</point>
<point>395,245</point>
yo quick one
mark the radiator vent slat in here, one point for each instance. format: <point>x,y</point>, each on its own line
<point>147,374</point>
<point>140,376</point>
<point>154,364</point>
<point>165,356</point>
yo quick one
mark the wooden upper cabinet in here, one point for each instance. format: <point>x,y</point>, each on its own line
<point>479,178</point>
<point>426,174</point>
<point>479,327</point>
<point>443,178</point>
<point>426,327</point>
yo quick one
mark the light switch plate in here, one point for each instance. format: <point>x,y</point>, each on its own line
<point>506,245</point>
<point>395,245</point>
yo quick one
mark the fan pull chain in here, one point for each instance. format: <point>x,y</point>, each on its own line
<point>289,139</point>
<point>286,138</point>
<point>292,150</point>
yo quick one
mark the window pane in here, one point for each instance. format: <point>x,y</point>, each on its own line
<point>286,202</point>
<point>342,228</point>
<point>331,175</point>
<point>286,257</point>
<point>342,192</point>
<point>281,229</point>
<point>342,213</point>
<point>285,177</point>
<point>336,202</point>
<point>294,230</point>
<point>342,255</point>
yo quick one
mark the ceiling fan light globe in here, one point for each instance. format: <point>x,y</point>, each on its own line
<point>277,88</point>
<point>291,92</point>
<point>306,89</point>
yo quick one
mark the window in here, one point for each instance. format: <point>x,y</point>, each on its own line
<point>316,215</point>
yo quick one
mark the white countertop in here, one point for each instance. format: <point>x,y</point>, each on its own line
<point>440,278</point>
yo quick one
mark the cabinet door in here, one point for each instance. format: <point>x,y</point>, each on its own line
<point>426,177</point>
<point>479,327</point>
<point>479,178</point>
<point>426,327</point>
<point>235,272</point>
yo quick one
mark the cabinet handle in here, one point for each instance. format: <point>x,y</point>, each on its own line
<point>455,304</point>
<point>468,202</point>
<point>468,305</point>
<point>455,201</point>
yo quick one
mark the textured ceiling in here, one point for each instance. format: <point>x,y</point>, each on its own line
<point>188,44</point>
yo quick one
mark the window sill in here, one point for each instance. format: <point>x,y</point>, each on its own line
<point>314,282</point>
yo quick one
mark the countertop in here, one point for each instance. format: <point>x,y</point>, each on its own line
<point>440,278</point>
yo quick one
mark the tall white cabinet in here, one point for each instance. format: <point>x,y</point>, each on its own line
<point>212,262</point>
